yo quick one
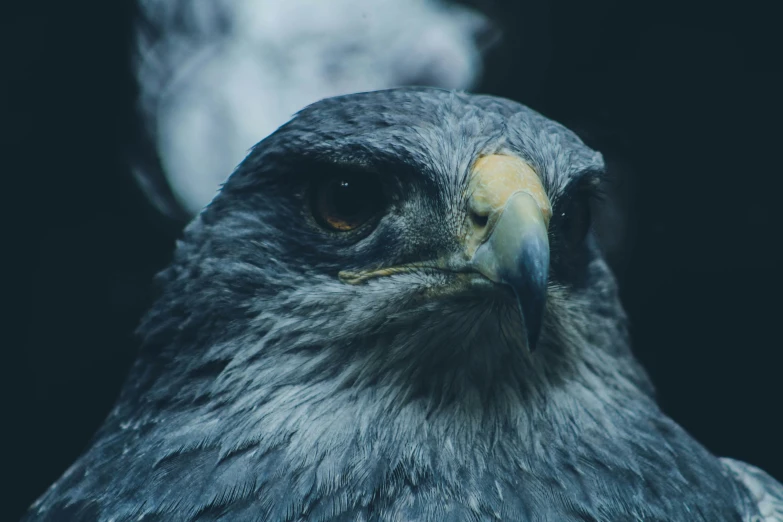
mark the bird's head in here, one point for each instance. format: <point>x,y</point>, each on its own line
<point>417,238</point>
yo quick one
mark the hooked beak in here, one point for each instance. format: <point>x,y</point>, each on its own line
<point>505,237</point>
<point>507,234</point>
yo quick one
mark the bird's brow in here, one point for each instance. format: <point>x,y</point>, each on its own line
<point>587,182</point>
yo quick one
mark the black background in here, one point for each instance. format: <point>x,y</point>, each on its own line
<point>681,97</point>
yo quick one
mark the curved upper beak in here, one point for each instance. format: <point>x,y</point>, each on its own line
<point>507,239</point>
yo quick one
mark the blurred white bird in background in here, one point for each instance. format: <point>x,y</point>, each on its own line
<point>215,77</point>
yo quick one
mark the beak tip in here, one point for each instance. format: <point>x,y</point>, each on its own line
<point>516,253</point>
<point>531,310</point>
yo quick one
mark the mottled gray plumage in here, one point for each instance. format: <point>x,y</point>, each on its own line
<point>269,390</point>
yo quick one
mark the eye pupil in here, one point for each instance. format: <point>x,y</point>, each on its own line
<point>343,203</point>
<point>346,200</point>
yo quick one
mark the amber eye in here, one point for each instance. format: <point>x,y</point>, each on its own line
<point>345,202</point>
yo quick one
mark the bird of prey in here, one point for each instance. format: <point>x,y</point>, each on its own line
<point>396,310</point>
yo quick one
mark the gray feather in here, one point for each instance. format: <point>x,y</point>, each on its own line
<point>766,493</point>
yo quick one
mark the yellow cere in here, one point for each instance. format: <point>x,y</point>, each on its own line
<point>495,178</point>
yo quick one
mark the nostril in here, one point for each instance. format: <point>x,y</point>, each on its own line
<point>480,220</point>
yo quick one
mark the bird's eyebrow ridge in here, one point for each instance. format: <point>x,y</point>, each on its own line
<point>589,181</point>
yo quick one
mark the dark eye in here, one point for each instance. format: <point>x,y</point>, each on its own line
<point>576,219</point>
<point>347,201</point>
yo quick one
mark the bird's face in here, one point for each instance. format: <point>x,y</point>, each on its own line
<point>495,234</point>
<point>403,233</point>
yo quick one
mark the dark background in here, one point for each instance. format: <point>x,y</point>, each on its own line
<point>679,96</point>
